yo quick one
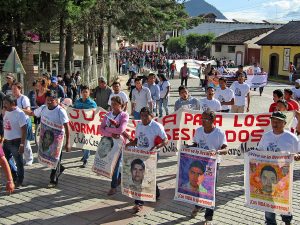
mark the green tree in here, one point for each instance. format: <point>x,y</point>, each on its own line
<point>177,44</point>
<point>199,42</point>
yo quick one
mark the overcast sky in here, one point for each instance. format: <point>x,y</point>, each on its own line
<point>284,10</point>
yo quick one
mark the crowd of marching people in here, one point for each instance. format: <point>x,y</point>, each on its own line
<point>148,97</point>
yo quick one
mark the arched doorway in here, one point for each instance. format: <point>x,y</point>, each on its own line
<point>273,66</point>
<point>297,62</point>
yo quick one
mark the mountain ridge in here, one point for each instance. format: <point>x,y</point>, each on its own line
<point>198,7</point>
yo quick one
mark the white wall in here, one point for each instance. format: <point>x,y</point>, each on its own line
<point>224,52</point>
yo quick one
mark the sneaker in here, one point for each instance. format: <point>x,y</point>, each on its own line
<point>84,165</point>
<point>52,184</point>
<point>18,184</point>
<point>196,210</point>
<point>112,191</point>
<point>137,208</point>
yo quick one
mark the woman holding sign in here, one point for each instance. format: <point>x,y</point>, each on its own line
<point>112,126</point>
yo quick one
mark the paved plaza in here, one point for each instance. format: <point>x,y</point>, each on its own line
<point>80,197</point>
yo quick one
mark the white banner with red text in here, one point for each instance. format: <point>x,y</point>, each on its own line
<point>269,181</point>
<point>243,131</point>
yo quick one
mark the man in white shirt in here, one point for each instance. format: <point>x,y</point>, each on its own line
<point>224,95</point>
<point>209,137</point>
<point>155,91</point>
<point>146,134</point>
<point>57,115</point>
<point>116,86</point>
<point>279,140</point>
<point>241,91</point>
<point>210,102</point>
<point>296,90</point>
<point>15,132</point>
<point>23,103</point>
<point>141,97</point>
<point>186,101</point>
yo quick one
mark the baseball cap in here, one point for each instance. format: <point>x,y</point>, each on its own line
<point>278,115</point>
<point>297,81</point>
<point>102,79</point>
<point>53,79</point>
<point>10,75</point>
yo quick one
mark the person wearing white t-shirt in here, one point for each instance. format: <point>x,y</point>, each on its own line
<point>209,137</point>
<point>23,102</point>
<point>15,130</point>
<point>210,102</point>
<point>117,92</point>
<point>147,133</point>
<point>241,91</point>
<point>58,115</point>
<point>164,86</point>
<point>224,95</point>
<point>279,140</point>
<point>296,90</point>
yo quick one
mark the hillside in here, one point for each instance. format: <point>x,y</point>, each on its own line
<point>198,7</point>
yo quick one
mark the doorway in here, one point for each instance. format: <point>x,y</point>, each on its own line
<point>273,67</point>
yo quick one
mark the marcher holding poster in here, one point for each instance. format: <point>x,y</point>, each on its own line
<point>209,137</point>
<point>196,177</point>
<point>270,177</point>
<point>151,135</point>
<point>54,124</point>
<point>108,156</point>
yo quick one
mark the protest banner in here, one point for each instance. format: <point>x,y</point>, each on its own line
<point>196,177</point>
<point>268,181</point>
<point>243,131</point>
<point>107,155</point>
<point>50,143</point>
<point>139,174</point>
<point>255,81</point>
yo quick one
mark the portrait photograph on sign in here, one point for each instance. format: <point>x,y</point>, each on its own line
<point>139,174</point>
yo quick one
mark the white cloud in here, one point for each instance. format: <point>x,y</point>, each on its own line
<point>249,15</point>
<point>288,5</point>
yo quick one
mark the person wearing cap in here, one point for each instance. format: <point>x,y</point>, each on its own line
<point>57,88</point>
<point>209,137</point>
<point>146,134</point>
<point>241,91</point>
<point>56,114</point>
<point>102,93</point>
<point>184,74</point>
<point>296,90</point>
<point>288,96</point>
<point>279,140</point>
<point>6,88</point>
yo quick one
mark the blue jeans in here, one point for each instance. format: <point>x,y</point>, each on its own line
<point>271,218</point>
<point>11,149</point>
<point>291,77</point>
<point>136,115</point>
<point>86,154</point>
<point>117,173</point>
<point>163,102</point>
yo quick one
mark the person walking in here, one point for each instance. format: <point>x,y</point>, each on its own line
<point>116,86</point>
<point>154,90</point>
<point>225,95</point>
<point>85,102</point>
<point>113,126</point>
<point>186,101</point>
<point>279,140</point>
<point>173,68</point>
<point>101,93</point>
<point>292,71</point>
<point>184,74</point>
<point>210,102</point>
<point>10,186</point>
<point>6,88</point>
<point>241,91</point>
<point>164,87</point>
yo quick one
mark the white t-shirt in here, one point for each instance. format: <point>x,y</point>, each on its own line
<point>23,102</point>
<point>213,105</point>
<point>57,115</point>
<point>256,70</point>
<point>296,93</point>
<point>210,141</point>
<point>285,142</point>
<point>12,123</point>
<point>121,94</point>
<point>225,95</point>
<point>240,93</point>
<point>146,134</point>
<point>163,87</point>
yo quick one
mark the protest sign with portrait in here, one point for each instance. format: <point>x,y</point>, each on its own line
<point>196,177</point>
<point>139,173</point>
<point>268,181</point>
<point>50,143</point>
<point>107,155</point>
